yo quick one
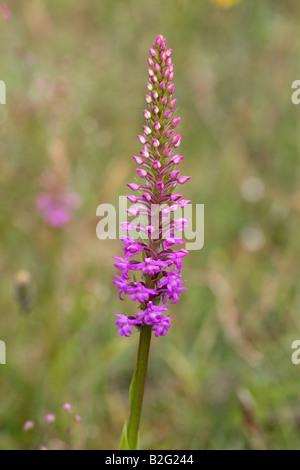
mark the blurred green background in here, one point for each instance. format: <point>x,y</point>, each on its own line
<point>75,74</point>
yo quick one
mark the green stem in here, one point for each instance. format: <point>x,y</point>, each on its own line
<point>137,388</point>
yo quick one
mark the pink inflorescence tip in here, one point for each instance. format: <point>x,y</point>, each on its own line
<point>151,272</point>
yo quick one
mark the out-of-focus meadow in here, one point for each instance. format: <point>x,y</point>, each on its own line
<point>75,74</point>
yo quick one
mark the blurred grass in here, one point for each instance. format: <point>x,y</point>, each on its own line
<point>75,74</point>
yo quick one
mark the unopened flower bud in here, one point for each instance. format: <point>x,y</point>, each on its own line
<point>169,133</point>
<point>183,179</point>
<point>180,224</point>
<point>175,121</point>
<point>145,153</point>
<point>171,88</point>
<point>176,138</point>
<point>157,68</point>
<point>132,198</point>
<point>174,174</point>
<point>141,172</point>
<point>171,76</point>
<point>133,186</point>
<point>160,186</point>
<point>173,104</point>
<point>147,131</point>
<point>163,56</point>
<point>147,114</point>
<point>176,159</point>
<point>166,73</point>
<point>138,160</point>
<point>142,139</point>
<point>175,196</point>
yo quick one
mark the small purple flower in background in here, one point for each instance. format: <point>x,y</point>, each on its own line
<point>56,203</point>
<point>67,407</point>
<point>63,422</point>
<point>57,208</point>
<point>77,419</point>
<point>156,272</point>
<point>5,11</point>
<point>50,418</point>
<point>28,425</point>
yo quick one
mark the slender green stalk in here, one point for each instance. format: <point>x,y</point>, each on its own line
<point>137,387</point>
